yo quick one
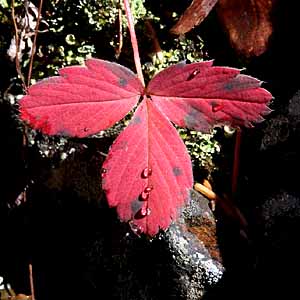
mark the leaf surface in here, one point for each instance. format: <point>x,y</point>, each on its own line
<point>83,100</point>
<point>193,15</point>
<point>149,153</point>
<point>199,96</point>
<point>148,173</point>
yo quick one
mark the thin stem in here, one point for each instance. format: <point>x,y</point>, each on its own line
<point>134,43</point>
<point>225,203</point>
<point>236,161</point>
<point>17,40</point>
<point>120,45</point>
<point>33,50</point>
<point>31,282</point>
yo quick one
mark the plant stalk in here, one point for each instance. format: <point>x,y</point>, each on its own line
<point>33,50</point>
<point>31,282</point>
<point>17,40</point>
<point>134,42</point>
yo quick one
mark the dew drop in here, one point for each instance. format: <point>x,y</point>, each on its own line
<point>193,74</point>
<point>103,172</point>
<point>145,211</point>
<point>217,107</point>
<point>135,228</point>
<point>147,172</point>
<point>148,189</point>
<point>144,196</point>
<point>85,129</point>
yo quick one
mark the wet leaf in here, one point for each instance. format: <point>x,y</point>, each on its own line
<point>148,171</point>
<point>199,96</point>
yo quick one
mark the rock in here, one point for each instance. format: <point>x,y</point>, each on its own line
<point>272,198</point>
<point>279,210</point>
<point>81,250</point>
<point>196,254</point>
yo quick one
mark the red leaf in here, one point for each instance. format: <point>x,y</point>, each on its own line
<point>199,96</point>
<point>148,170</point>
<point>193,15</point>
<point>82,100</point>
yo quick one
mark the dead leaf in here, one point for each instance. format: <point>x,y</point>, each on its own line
<point>248,24</point>
<point>193,15</point>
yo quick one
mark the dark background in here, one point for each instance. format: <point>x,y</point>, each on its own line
<point>77,247</point>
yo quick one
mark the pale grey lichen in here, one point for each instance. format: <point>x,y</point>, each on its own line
<point>192,260</point>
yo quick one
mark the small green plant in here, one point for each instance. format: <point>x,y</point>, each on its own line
<point>203,147</point>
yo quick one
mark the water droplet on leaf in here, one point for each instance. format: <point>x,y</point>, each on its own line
<point>144,196</point>
<point>217,107</point>
<point>103,172</point>
<point>193,74</point>
<point>145,211</point>
<point>148,189</point>
<point>135,228</point>
<point>147,172</point>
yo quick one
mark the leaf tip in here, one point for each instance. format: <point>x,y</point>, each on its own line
<point>37,122</point>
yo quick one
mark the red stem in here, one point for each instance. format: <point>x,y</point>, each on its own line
<point>134,43</point>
